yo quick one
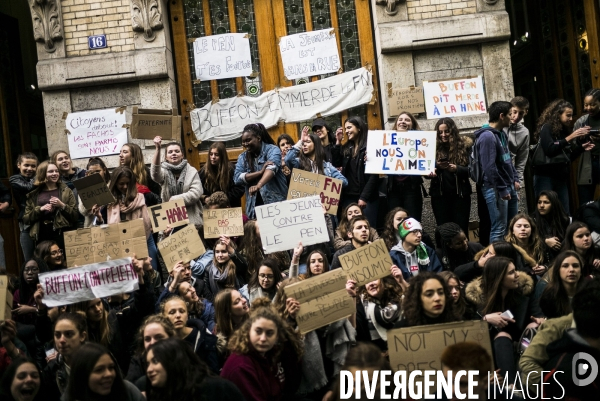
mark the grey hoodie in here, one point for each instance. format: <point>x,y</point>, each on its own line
<point>518,144</point>
<point>411,258</point>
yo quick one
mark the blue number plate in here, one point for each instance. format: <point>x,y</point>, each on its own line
<point>97,41</point>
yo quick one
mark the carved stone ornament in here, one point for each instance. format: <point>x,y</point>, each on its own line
<point>390,6</point>
<point>146,18</point>
<point>46,23</point>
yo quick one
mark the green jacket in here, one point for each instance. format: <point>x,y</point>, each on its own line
<point>67,217</point>
<point>535,356</point>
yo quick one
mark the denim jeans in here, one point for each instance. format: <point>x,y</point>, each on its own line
<point>501,211</point>
<point>558,185</point>
<point>153,253</point>
<point>27,245</point>
<point>586,192</point>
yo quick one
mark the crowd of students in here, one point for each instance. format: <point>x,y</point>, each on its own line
<point>222,327</point>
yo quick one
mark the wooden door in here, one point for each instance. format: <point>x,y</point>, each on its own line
<point>266,21</point>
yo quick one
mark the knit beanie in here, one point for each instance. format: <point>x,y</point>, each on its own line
<point>408,226</point>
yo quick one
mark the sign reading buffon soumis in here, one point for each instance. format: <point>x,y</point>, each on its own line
<point>454,98</point>
<point>225,119</point>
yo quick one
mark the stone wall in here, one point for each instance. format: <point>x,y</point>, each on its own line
<point>83,18</point>
<point>423,9</point>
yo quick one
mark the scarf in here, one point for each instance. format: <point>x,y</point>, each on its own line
<point>216,278</point>
<point>174,187</point>
<point>136,209</point>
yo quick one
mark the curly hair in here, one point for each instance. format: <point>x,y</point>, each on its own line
<point>551,116</point>
<point>535,244</point>
<point>217,178</point>
<point>163,321</point>
<point>218,199</point>
<point>412,306</point>
<point>136,164</point>
<point>262,309</point>
<point>390,233</point>
<point>456,150</point>
<point>391,292</point>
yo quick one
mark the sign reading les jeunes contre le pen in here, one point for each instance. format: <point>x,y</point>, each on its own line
<point>306,183</point>
<point>454,97</point>
<point>406,153</point>
<point>284,224</point>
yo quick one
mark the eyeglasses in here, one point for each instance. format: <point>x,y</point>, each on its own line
<point>31,270</point>
<point>266,277</point>
<point>56,253</point>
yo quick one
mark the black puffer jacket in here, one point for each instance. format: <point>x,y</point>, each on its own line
<point>21,186</point>
<point>368,182</point>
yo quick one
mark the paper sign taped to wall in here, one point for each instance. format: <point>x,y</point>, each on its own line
<point>92,190</point>
<point>305,183</point>
<point>310,53</point>
<point>406,100</point>
<point>106,242</point>
<point>454,97</point>
<point>173,214</point>
<point>367,263</point>
<point>98,280</point>
<point>405,153</point>
<point>6,299</point>
<point>95,133</point>
<point>222,56</point>
<point>284,224</point>
<point>227,222</point>
<point>420,347</point>
<point>183,245</point>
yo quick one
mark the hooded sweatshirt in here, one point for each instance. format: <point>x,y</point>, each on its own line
<point>494,157</point>
<point>518,144</point>
<point>411,263</point>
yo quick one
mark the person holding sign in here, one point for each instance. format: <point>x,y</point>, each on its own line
<point>359,236</point>
<point>227,269</point>
<point>362,188</point>
<point>217,175</point>
<point>95,166</point>
<point>51,207</point>
<point>178,179</point>
<point>450,189</point>
<point>130,205</point>
<point>259,169</point>
<point>410,254</point>
<point>131,156</point>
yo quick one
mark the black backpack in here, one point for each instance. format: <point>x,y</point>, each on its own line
<point>475,172</point>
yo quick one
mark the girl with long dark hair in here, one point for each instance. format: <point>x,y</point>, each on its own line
<point>131,156</point>
<point>21,381</point>
<point>555,137</point>
<point>264,281</point>
<point>463,308</point>
<point>578,238</point>
<point>217,176</point>
<point>258,168</point>
<point>362,188</point>
<point>322,129</point>
<point>551,220</point>
<point>450,189</point>
<point>564,279</point>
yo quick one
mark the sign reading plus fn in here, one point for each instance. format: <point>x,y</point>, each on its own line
<point>97,42</point>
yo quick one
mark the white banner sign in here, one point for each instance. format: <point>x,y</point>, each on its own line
<point>309,53</point>
<point>96,133</point>
<point>454,98</point>
<point>222,56</point>
<point>98,280</point>
<point>225,120</point>
<point>284,224</point>
<point>407,153</point>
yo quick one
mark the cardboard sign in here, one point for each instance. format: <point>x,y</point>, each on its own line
<point>317,286</point>
<point>420,347</point>
<point>406,153</point>
<point>6,299</point>
<point>107,242</point>
<point>409,99</point>
<point>454,98</point>
<point>222,56</point>
<point>184,245</point>
<point>227,222</point>
<point>284,224</point>
<point>92,190</point>
<point>96,132</point>
<point>306,183</point>
<point>368,263</point>
<point>310,53</point>
<point>98,280</point>
<point>148,123</point>
<point>173,214</point>
<point>325,310</point>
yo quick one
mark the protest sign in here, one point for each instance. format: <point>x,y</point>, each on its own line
<point>410,100</point>
<point>227,222</point>
<point>6,299</point>
<point>306,183</point>
<point>92,190</point>
<point>110,241</point>
<point>183,245</point>
<point>420,347</point>
<point>173,214</point>
<point>454,98</point>
<point>367,263</point>
<point>149,123</point>
<point>309,53</point>
<point>225,119</point>
<point>98,280</point>
<point>317,286</point>
<point>284,224</point>
<point>96,132</point>
<point>222,56</point>
<point>407,153</point>
<point>325,310</point>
